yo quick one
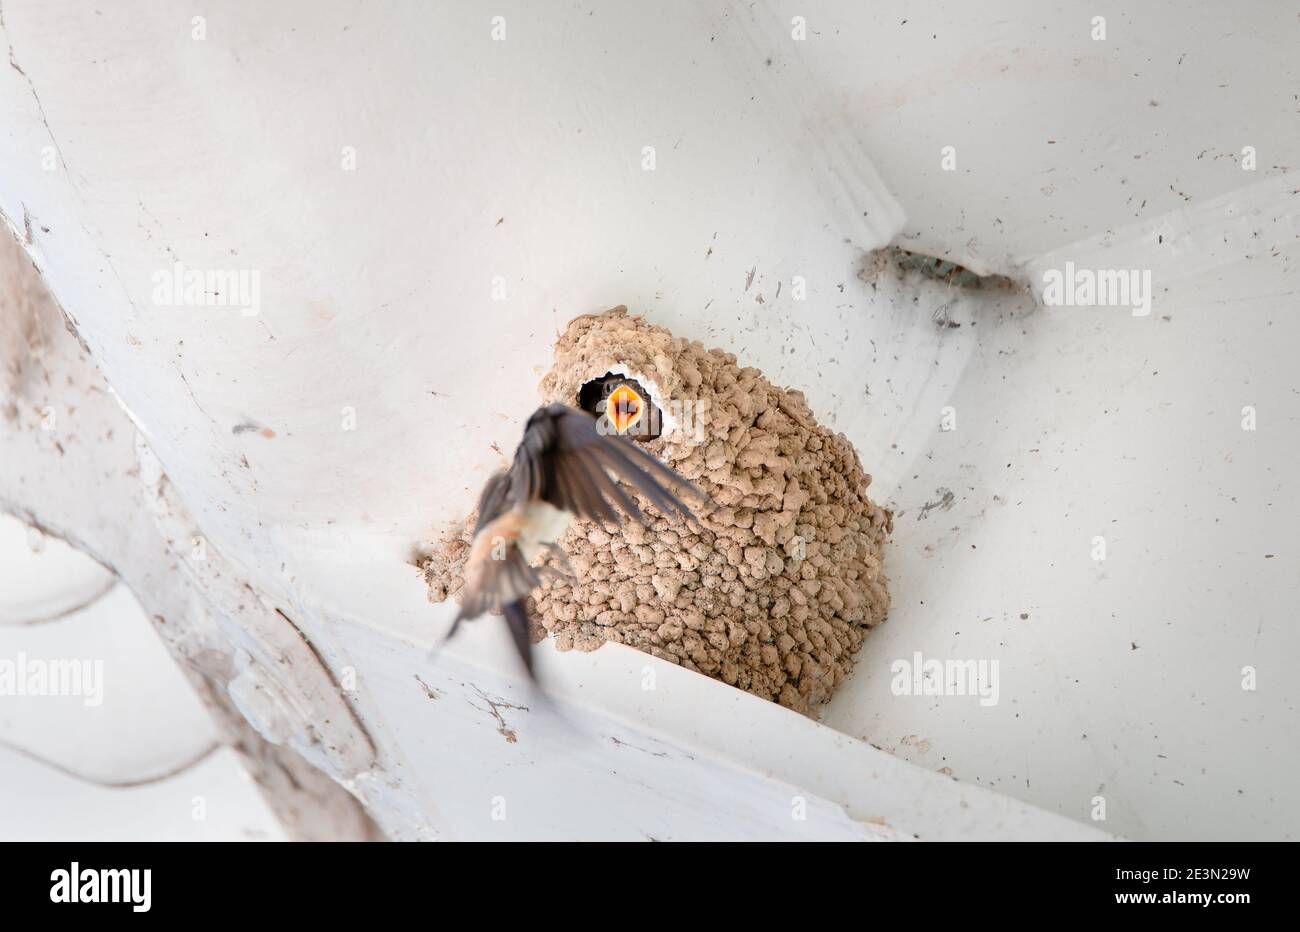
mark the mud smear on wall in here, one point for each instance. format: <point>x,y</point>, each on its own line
<point>774,587</point>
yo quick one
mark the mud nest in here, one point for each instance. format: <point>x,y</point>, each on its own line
<point>775,585</point>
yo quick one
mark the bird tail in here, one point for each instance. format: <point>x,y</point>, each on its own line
<point>517,621</point>
<point>516,616</point>
<point>442,641</point>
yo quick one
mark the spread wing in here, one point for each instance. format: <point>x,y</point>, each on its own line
<point>566,461</point>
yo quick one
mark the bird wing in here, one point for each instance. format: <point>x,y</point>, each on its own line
<point>494,501</point>
<point>496,573</point>
<point>565,461</point>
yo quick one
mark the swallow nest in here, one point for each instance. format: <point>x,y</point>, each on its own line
<point>774,586</point>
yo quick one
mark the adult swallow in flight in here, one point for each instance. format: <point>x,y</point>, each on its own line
<point>562,468</point>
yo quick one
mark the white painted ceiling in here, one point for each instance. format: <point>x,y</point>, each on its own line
<point>522,161</point>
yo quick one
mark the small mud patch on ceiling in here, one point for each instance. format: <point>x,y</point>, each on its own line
<point>775,587</point>
<point>953,295</point>
<point>901,262</point>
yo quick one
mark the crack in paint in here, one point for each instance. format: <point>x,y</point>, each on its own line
<point>624,744</point>
<point>494,709</point>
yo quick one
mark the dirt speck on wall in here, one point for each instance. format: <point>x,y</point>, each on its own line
<point>774,587</point>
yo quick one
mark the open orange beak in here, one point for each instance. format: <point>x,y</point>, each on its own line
<point>624,408</point>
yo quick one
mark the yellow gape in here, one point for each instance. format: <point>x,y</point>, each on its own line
<point>624,408</point>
